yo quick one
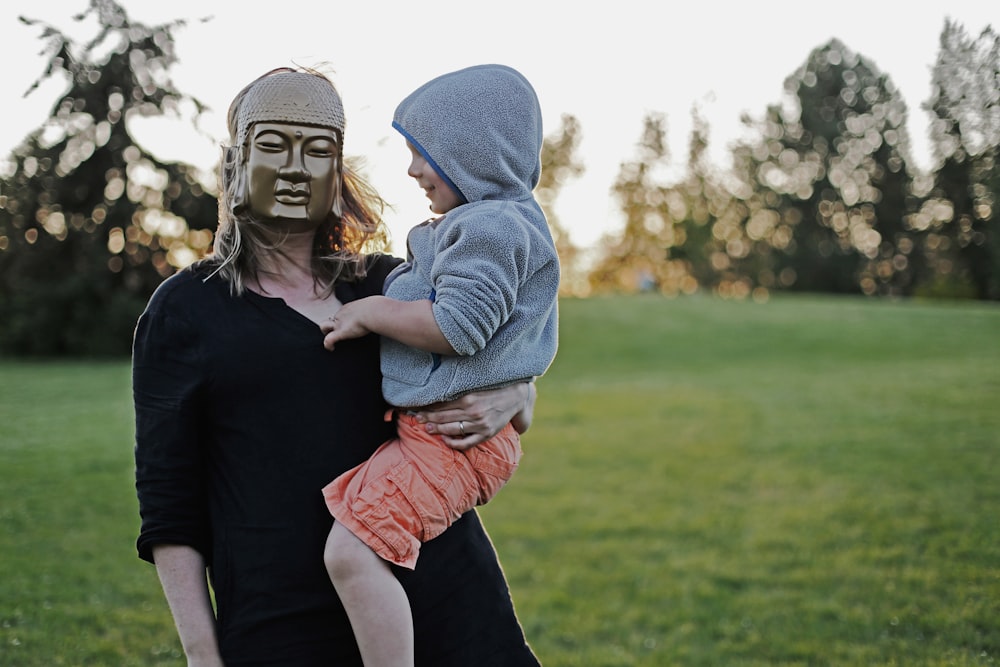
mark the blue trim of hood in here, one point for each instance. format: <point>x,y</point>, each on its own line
<point>431,162</point>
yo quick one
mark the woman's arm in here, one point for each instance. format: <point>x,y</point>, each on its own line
<point>474,418</point>
<point>182,574</point>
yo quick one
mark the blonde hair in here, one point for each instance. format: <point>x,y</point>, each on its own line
<point>341,242</point>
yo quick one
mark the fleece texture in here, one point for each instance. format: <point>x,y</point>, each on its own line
<point>490,265</point>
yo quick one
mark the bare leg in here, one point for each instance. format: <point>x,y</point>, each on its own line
<point>375,601</point>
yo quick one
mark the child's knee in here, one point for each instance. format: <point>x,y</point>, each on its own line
<point>345,555</point>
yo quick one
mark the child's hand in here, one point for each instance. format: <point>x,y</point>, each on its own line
<point>347,323</point>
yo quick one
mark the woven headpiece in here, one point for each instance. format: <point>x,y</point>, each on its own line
<point>290,97</point>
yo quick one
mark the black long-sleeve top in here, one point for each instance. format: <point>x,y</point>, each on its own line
<point>241,418</point>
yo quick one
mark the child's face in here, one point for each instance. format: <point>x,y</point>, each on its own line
<point>442,197</point>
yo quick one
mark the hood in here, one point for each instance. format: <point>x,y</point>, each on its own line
<point>480,128</point>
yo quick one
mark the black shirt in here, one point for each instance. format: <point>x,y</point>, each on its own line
<point>241,418</point>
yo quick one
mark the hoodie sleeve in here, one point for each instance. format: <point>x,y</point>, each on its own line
<point>477,272</point>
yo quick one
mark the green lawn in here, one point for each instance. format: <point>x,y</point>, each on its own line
<point>809,481</point>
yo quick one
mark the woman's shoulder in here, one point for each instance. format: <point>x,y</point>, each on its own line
<point>377,267</point>
<point>186,288</point>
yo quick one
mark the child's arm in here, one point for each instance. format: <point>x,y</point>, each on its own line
<point>409,322</point>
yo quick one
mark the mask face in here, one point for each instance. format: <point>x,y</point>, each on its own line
<point>293,172</point>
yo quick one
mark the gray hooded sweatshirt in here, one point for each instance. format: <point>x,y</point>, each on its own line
<point>489,265</point>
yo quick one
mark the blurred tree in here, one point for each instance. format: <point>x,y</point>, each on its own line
<point>963,242</point>
<point>707,231</point>
<point>560,163</point>
<point>827,183</point>
<point>635,259</point>
<point>678,237</point>
<point>90,222</point>
<point>690,216</point>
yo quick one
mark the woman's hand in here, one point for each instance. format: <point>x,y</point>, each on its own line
<point>474,418</point>
<point>522,420</point>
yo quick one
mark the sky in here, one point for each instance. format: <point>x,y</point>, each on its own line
<point>609,65</point>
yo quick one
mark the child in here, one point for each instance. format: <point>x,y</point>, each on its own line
<point>474,307</point>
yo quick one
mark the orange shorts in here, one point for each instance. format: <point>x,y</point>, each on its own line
<point>414,486</point>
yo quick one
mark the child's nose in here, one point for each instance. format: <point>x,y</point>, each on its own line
<point>413,171</point>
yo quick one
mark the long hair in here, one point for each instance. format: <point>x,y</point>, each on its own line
<point>341,241</point>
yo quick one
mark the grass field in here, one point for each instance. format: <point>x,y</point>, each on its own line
<point>809,481</point>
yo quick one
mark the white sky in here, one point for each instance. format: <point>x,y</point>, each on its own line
<point>608,64</point>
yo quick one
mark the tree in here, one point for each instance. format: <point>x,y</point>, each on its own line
<point>90,222</point>
<point>963,241</point>
<point>707,233</point>
<point>560,163</point>
<point>678,237</point>
<point>830,167</point>
<point>635,259</point>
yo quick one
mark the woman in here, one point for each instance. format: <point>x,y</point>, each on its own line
<point>242,416</point>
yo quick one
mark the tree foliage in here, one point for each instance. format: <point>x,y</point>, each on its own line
<point>707,231</point>
<point>963,242</point>
<point>560,163</point>
<point>635,259</point>
<point>819,200</point>
<point>90,222</point>
<point>831,167</point>
<point>822,196</point>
